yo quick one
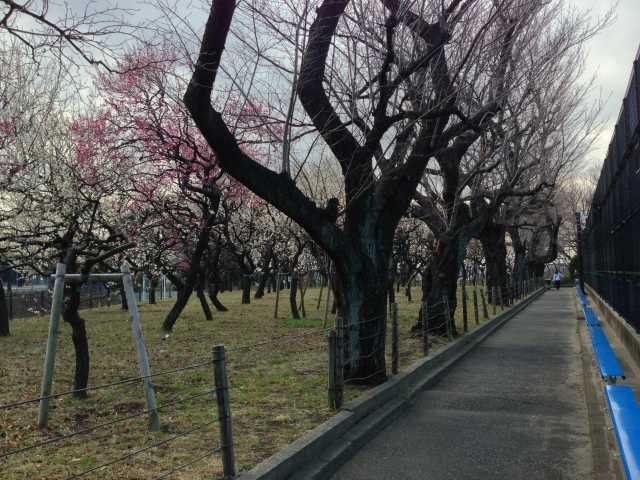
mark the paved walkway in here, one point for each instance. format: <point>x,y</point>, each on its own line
<point>513,408</point>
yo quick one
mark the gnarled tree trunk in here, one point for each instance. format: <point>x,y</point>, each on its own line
<point>492,238</point>
<point>4,313</point>
<point>293,294</point>
<point>361,294</point>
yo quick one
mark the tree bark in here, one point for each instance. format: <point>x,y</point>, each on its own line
<point>203,303</point>
<point>213,296</point>
<point>520,268</point>
<point>4,313</point>
<point>123,297</point>
<point>262,283</point>
<point>153,285</point>
<point>492,238</point>
<point>440,283</point>
<point>361,296</point>
<point>182,299</point>
<point>303,290</point>
<point>293,294</point>
<point>245,282</point>
<point>265,263</point>
<point>71,316</point>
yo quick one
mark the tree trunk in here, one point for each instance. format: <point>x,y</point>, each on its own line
<point>520,270</point>
<point>123,297</point>
<point>79,337</point>
<point>440,283</point>
<point>537,269</point>
<point>492,238</point>
<point>293,294</point>
<point>262,283</point>
<point>203,303</point>
<point>4,313</point>
<point>182,299</point>
<point>213,296</point>
<point>246,289</point>
<point>303,290</point>
<point>361,294</point>
<point>153,285</point>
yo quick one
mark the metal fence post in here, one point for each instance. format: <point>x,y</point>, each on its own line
<point>476,314</point>
<point>425,328</point>
<point>394,338</point>
<point>143,359</point>
<point>224,411</point>
<point>50,355</point>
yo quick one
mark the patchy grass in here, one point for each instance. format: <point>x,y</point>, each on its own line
<point>277,375</point>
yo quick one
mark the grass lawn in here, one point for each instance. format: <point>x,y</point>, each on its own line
<point>278,389</point>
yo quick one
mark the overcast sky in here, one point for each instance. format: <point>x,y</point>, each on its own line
<point>610,57</point>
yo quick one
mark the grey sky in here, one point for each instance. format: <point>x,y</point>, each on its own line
<point>610,57</point>
<point>610,54</point>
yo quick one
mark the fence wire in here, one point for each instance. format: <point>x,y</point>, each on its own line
<point>142,450</point>
<point>93,428</point>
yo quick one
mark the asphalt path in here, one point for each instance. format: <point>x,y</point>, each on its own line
<point>513,408</point>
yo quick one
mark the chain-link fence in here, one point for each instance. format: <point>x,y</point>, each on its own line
<point>27,302</point>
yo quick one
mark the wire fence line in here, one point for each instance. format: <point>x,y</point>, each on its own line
<point>93,428</point>
<point>305,342</point>
<point>142,450</point>
<point>27,303</point>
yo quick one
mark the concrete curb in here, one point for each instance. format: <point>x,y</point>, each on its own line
<point>320,452</point>
<point>624,331</point>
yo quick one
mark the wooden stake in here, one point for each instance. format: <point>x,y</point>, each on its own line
<point>425,329</point>
<point>394,338</point>
<point>476,314</point>
<point>465,318</point>
<point>332,338</point>
<point>224,411</point>
<point>485,312</point>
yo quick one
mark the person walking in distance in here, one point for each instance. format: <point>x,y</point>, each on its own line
<point>556,279</point>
